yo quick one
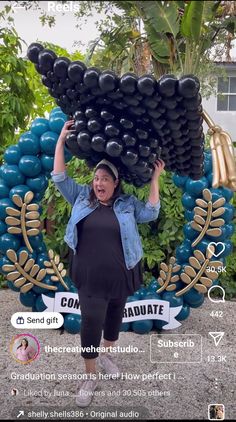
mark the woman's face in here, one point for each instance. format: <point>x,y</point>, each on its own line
<point>103,185</point>
<point>24,343</point>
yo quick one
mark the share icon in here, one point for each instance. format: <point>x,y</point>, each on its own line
<point>217,336</point>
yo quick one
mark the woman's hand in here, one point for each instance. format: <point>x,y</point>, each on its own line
<point>159,166</point>
<point>65,131</point>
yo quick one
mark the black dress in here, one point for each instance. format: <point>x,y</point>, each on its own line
<point>98,268</point>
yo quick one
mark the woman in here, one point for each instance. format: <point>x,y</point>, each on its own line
<point>24,352</point>
<point>102,232</point>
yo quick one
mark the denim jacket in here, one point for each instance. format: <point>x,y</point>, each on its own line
<point>127,208</point>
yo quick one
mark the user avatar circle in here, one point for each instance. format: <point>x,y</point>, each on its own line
<point>25,348</point>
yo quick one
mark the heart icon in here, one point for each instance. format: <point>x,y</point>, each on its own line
<point>215,245</point>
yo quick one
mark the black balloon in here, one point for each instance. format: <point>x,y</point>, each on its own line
<point>129,157</point>
<point>60,67</point>
<point>84,140</point>
<point>128,139</point>
<point>98,142</point>
<point>76,70</point>
<point>127,124</point>
<point>91,76</point>
<point>114,147</point>
<point>33,52</point>
<point>94,125</point>
<point>167,85</point>
<point>112,129</point>
<point>108,81</point>
<point>46,58</point>
<point>128,83</point>
<point>146,84</point>
<point>188,86</point>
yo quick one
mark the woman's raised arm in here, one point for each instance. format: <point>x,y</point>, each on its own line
<point>59,158</point>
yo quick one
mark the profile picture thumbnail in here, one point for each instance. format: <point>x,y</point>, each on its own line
<point>25,348</point>
<point>216,412</point>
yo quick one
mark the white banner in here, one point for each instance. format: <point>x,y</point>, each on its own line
<point>134,311</point>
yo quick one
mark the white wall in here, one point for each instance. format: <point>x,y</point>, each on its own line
<point>225,119</point>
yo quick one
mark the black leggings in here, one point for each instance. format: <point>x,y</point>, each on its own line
<point>99,314</point>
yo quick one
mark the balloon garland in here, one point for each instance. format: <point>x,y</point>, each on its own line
<point>173,110</point>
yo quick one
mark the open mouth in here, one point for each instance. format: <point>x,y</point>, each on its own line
<point>101,191</point>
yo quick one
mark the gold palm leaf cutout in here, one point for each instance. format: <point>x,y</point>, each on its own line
<point>55,268</point>
<point>24,273</point>
<point>201,271</point>
<point>168,278</point>
<point>24,219</point>
<point>206,216</point>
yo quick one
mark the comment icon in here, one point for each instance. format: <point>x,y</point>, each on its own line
<point>220,294</point>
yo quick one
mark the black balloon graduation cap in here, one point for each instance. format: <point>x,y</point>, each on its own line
<point>129,120</point>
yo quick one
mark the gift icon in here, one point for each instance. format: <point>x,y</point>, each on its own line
<point>20,320</point>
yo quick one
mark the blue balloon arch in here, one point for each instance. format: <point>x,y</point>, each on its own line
<point>36,273</point>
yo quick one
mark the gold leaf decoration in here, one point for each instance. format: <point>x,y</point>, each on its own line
<point>200,273</point>
<point>55,268</point>
<point>24,277</point>
<point>205,217</point>
<point>167,277</point>
<point>18,220</point>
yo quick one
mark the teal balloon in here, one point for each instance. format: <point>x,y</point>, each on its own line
<point>152,295</point>
<point>203,245</point>
<point>223,235</point>
<point>68,155</point>
<point>29,144</point>
<point>179,181</point>
<point>208,165</point>
<point>12,175</point>
<point>39,304</point>
<point>30,165</point>
<point>39,126</point>
<point>58,111</point>
<point>142,326</point>
<point>230,228</point>
<point>41,248</point>
<point>55,110</point>
<point>141,292</point>
<point>3,227</point>
<point>193,298</point>
<point>227,193</point>
<point>229,212</point>
<point>228,249</point>
<point>216,194</point>
<point>153,286</point>
<point>20,190</point>
<point>9,241</point>
<point>41,258</point>
<point>36,241</point>
<point>11,286</point>
<point>28,299</point>
<point>158,324</point>
<point>184,313</point>
<point>38,183</point>
<point>47,162</point>
<point>125,326</point>
<point>172,299</point>
<point>4,203</point>
<point>56,122</point>
<point>195,187</point>
<point>12,154</point>
<point>183,251</point>
<point>38,196</point>
<point>4,189</point>
<point>209,177</point>
<point>48,142</point>
<point>188,215</point>
<point>72,323</point>
<point>188,201</point>
<point>189,232</point>
<point>4,261</point>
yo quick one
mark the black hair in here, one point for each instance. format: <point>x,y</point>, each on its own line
<point>27,343</point>
<point>118,189</point>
